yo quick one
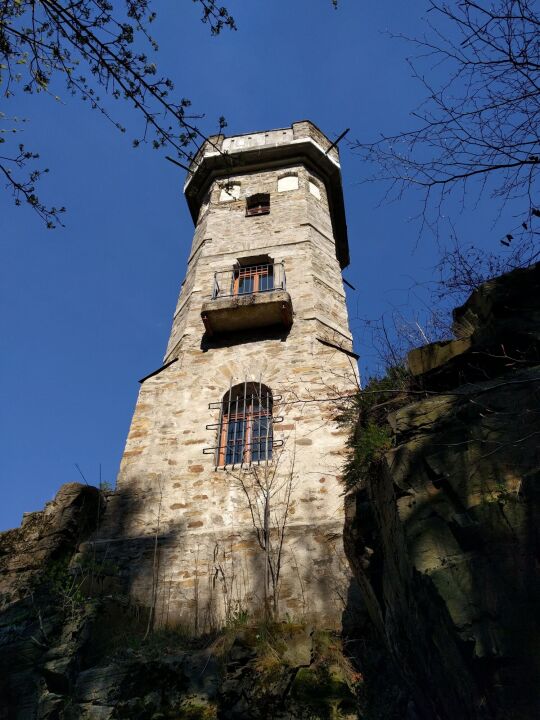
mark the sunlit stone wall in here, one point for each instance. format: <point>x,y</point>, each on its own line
<point>188,536</point>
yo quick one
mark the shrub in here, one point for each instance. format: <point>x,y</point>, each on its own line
<point>371,436</point>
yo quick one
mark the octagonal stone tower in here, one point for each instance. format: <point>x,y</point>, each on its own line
<point>228,498</point>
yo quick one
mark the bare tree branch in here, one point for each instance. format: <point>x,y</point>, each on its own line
<point>478,128</point>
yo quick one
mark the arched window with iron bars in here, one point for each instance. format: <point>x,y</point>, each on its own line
<point>245,431</point>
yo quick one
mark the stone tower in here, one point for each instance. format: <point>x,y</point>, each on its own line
<point>229,498</point>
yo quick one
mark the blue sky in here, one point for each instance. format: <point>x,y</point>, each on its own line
<point>86,310</point>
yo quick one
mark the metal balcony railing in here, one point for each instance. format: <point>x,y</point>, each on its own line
<point>248,280</point>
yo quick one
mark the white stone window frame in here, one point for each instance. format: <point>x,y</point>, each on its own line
<point>288,182</point>
<point>314,188</point>
<point>230,192</point>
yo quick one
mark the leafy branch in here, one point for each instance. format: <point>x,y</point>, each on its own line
<point>96,50</point>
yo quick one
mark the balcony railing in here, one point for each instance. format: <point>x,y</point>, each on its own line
<point>241,281</point>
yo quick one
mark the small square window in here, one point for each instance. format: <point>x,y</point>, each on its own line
<point>258,204</point>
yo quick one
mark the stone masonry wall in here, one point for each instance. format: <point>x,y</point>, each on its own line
<point>207,562</point>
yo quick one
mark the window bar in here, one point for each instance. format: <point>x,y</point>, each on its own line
<point>217,454</point>
<point>255,445</point>
<point>229,438</point>
<point>240,427</point>
<point>244,416</point>
<point>249,428</point>
<point>252,410</point>
<point>235,429</point>
<point>259,425</point>
<point>227,420</point>
<point>267,420</point>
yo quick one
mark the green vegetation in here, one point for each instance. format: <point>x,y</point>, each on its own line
<point>65,587</point>
<point>370,446</point>
<point>324,693</point>
<point>73,585</point>
<point>328,687</point>
<point>371,435</point>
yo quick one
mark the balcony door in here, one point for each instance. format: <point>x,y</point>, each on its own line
<point>253,279</point>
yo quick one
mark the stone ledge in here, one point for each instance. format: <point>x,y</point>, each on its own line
<point>240,312</point>
<point>496,331</point>
<point>429,357</point>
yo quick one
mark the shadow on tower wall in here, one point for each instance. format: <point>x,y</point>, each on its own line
<point>231,339</point>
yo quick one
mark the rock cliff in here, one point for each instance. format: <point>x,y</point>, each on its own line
<point>39,631</point>
<point>442,529</point>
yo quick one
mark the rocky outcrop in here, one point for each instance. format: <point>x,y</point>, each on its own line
<point>39,632</point>
<point>497,329</point>
<point>442,531</point>
<point>46,536</point>
<point>281,671</point>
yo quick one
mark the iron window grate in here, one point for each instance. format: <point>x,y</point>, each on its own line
<point>245,431</point>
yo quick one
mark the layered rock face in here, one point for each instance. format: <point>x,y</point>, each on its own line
<point>39,630</point>
<point>442,532</point>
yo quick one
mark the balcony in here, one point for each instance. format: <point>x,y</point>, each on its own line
<point>247,297</point>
